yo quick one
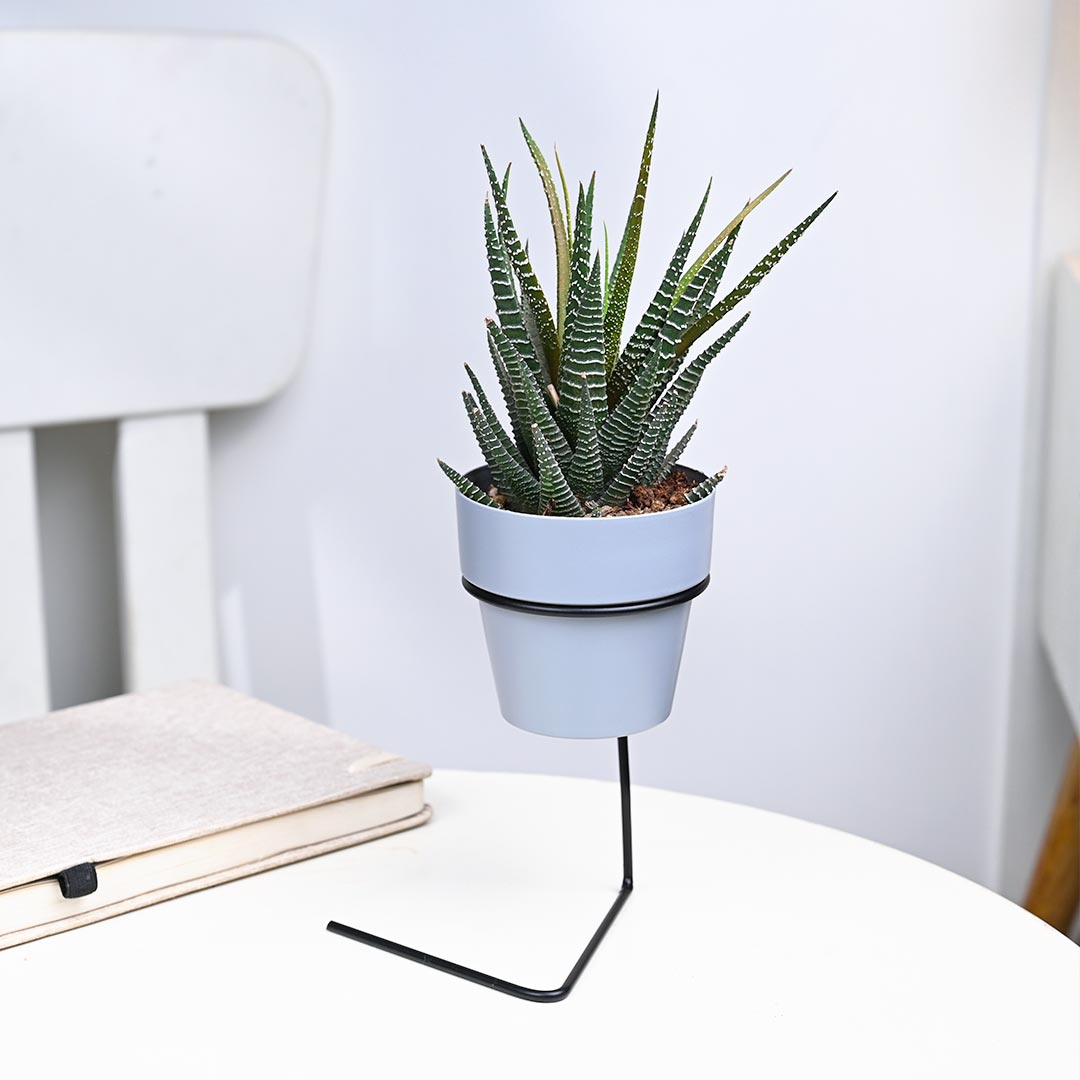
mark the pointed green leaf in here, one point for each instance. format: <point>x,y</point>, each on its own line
<point>510,477</point>
<point>531,405</point>
<point>520,419</point>
<point>631,473</point>
<point>532,294</point>
<point>677,399</point>
<point>607,269</point>
<point>726,231</point>
<point>581,253</point>
<point>706,487</point>
<point>671,458</point>
<point>617,442</point>
<point>622,430</point>
<point>517,422</point>
<point>584,356</point>
<point>493,420</point>
<point>467,487</point>
<point>558,228</point>
<point>674,403</point>
<point>545,378</point>
<point>539,415</point>
<point>750,282</point>
<point>675,323</point>
<point>643,339</point>
<point>715,267</point>
<point>586,471</point>
<point>489,445</point>
<point>566,199</point>
<point>623,274</point>
<point>555,493</point>
<point>511,316</point>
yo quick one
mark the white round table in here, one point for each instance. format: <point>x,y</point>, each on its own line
<point>753,945</point>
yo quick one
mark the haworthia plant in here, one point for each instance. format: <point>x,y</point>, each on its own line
<point>589,417</point>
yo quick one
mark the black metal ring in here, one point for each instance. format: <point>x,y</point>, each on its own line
<point>585,611</point>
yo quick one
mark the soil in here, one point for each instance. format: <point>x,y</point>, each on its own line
<point>669,494</point>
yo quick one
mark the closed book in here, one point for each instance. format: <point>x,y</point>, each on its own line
<point>126,802</point>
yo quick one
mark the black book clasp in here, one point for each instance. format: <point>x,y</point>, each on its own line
<point>78,881</point>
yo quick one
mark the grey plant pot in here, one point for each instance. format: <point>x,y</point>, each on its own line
<point>609,668</point>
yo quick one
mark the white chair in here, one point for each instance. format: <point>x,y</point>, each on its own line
<point>160,204</point>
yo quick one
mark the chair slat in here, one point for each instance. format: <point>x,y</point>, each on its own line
<point>163,527</point>
<point>24,679</point>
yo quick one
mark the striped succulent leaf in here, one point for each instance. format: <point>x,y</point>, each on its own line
<point>642,340</point>
<point>706,487</point>
<point>682,311</point>
<point>538,345</point>
<point>583,359</point>
<point>542,418</point>
<point>519,420</point>
<point>607,270</point>
<point>532,294</point>
<point>686,383</point>
<point>511,368</point>
<point>750,281</point>
<point>556,496</point>
<point>622,430</point>
<point>510,477</point>
<point>506,348</point>
<point>586,471</point>
<point>507,305</point>
<point>625,261</point>
<point>674,325</point>
<point>581,252</point>
<point>531,406</point>
<point>558,228</point>
<point>566,199</point>
<point>727,230</point>
<point>467,487</point>
<point>671,458</point>
<point>583,448</point>
<point>716,267</point>
<point>493,420</point>
<point>630,474</point>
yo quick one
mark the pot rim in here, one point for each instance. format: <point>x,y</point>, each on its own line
<point>577,521</point>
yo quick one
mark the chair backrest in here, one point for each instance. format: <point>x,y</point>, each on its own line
<point>160,205</point>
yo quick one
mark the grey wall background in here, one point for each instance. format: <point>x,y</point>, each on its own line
<point>853,662</point>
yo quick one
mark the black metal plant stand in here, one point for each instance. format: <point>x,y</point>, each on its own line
<point>526,993</point>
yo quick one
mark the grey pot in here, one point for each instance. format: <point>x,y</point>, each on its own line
<point>585,618</point>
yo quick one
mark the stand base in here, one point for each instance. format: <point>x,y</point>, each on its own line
<point>526,993</point>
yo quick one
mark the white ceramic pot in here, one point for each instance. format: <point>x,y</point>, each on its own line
<point>584,618</point>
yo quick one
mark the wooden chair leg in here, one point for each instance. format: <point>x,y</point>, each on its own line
<point>1054,891</point>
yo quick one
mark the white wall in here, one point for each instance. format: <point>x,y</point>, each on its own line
<point>851,662</point>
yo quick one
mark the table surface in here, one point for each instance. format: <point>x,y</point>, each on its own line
<point>754,945</point>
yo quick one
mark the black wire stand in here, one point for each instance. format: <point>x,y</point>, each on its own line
<point>526,993</point>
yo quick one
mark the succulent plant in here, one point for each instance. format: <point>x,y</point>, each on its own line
<point>590,418</point>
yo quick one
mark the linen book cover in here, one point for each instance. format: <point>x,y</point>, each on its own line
<point>125,802</point>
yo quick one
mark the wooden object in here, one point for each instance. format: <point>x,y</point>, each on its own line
<point>1054,892</point>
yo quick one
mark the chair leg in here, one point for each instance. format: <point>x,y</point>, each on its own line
<point>1054,891</point>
